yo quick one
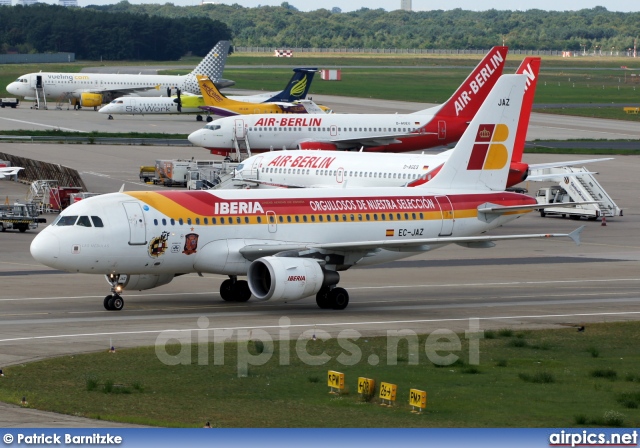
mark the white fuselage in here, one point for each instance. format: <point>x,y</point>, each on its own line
<point>148,232</point>
<point>337,169</point>
<point>73,85</point>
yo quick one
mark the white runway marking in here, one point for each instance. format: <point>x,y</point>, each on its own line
<point>335,324</point>
<point>43,125</point>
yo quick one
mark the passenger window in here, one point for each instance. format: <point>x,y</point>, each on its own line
<point>280,218</point>
<point>197,221</point>
<point>155,222</point>
<point>180,221</point>
<point>84,221</point>
<point>97,222</point>
<point>188,221</point>
<point>173,222</point>
<point>164,221</point>
<point>288,218</point>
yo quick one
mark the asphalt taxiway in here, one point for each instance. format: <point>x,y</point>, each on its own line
<point>520,284</point>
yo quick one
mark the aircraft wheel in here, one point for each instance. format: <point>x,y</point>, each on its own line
<point>198,117</point>
<point>241,291</point>
<point>338,298</point>
<point>209,119</point>
<point>117,303</point>
<point>542,213</point>
<point>106,302</point>
<point>226,290</point>
<point>110,117</point>
<point>322,298</point>
<point>574,217</point>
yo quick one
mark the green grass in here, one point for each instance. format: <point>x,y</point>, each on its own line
<point>512,386</point>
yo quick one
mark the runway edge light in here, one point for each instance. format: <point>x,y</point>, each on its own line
<point>387,393</point>
<point>417,399</point>
<point>335,380</point>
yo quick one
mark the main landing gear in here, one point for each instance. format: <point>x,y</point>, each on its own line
<point>114,302</point>
<point>234,290</point>
<point>332,298</point>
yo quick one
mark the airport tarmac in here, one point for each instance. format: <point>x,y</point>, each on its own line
<point>520,284</point>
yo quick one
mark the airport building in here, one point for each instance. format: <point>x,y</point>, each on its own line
<point>405,5</point>
<point>68,2</point>
<point>26,2</point>
<point>5,2</point>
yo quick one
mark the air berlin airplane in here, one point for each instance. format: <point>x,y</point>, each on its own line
<point>291,244</point>
<point>427,128</point>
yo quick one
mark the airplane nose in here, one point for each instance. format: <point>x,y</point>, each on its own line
<point>198,137</point>
<point>45,248</point>
<point>12,88</point>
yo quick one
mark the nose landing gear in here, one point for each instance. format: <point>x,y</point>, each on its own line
<point>114,302</point>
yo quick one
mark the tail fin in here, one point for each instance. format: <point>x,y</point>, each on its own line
<point>530,67</point>
<point>212,65</point>
<point>466,101</point>
<point>297,87</point>
<point>211,95</point>
<point>481,159</point>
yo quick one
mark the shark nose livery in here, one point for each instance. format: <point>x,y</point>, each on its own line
<point>292,244</point>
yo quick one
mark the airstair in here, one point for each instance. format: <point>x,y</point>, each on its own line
<point>583,188</point>
<point>41,97</point>
<point>40,194</point>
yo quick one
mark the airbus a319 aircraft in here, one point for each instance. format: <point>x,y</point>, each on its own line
<point>93,89</point>
<point>291,244</point>
<point>427,128</point>
<point>296,89</point>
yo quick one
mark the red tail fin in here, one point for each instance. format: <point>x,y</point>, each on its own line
<point>466,101</point>
<point>531,68</point>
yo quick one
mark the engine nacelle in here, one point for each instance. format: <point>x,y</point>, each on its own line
<point>324,146</point>
<point>145,281</point>
<point>285,279</point>
<point>90,99</point>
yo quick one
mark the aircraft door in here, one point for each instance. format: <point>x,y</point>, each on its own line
<point>137,227</point>
<point>38,81</point>
<point>442,129</point>
<point>239,128</point>
<point>446,208</point>
<point>272,222</point>
<point>333,130</point>
<point>340,175</point>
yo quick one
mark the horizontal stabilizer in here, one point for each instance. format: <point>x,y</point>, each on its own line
<point>558,177</point>
<point>487,212</point>
<point>541,166</point>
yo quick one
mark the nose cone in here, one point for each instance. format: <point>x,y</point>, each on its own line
<point>13,89</point>
<point>45,248</point>
<point>199,137</point>
<point>107,109</point>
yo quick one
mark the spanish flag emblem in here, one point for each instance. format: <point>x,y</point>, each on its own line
<point>390,232</point>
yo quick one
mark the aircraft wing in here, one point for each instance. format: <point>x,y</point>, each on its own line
<point>254,251</point>
<point>377,140</point>
<point>219,111</point>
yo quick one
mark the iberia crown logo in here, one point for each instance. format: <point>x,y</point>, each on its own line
<point>489,152</point>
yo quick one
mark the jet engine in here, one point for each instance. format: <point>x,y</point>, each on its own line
<point>285,279</point>
<point>324,146</point>
<point>144,281</point>
<point>90,99</point>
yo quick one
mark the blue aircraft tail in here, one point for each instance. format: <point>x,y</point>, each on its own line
<point>297,87</point>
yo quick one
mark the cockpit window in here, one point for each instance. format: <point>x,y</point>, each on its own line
<point>240,167</point>
<point>66,220</point>
<point>97,222</point>
<point>213,127</point>
<point>84,221</point>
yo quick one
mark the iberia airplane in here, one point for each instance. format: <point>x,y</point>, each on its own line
<point>427,128</point>
<point>296,89</point>
<point>291,244</point>
<point>93,89</point>
<point>217,103</point>
<point>317,168</point>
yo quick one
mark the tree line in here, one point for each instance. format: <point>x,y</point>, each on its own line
<point>92,33</point>
<point>166,32</point>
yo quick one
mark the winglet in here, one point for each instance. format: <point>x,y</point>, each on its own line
<point>575,235</point>
<point>121,189</point>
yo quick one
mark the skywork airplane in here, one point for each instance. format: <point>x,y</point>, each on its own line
<point>217,103</point>
<point>291,244</point>
<point>296,89</point>
<point>93,89</point>
<point>304,168</point>
<point>427,128</point>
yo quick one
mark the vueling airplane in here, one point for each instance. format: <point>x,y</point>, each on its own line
<point>291,244</point>
<point>93,89</point>
<point>217,103</point>
<point>427,128</point>
<point>296,89</point>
